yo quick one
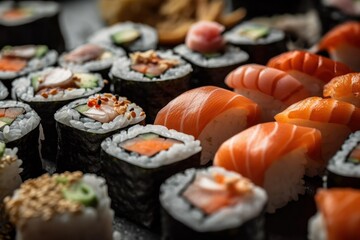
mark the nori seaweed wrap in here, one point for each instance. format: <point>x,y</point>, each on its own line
<point>151,79</point>
<point>210,204</point>
<point>48,90</point>
<point>137,161</point>
<point>19,127</point>
<point>83,124</point>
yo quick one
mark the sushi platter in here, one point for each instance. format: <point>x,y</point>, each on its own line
<point>181,120</point>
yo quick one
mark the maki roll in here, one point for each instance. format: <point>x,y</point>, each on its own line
<point>48,90</point>
<point>17,61</point>
<point>83,124</point>
<point>3,91</point>
<point>19,127</point>
<point>212,203</point>
<point>128,35</point>
<point>210,57</point>
<point>94,58</point>
<point>144,156</point>
<point>151,79</point>
<point>343,169</point>
<point>259,41</point>
<point>31,22</point>
<point>337,216</point>
<point>62,206</point>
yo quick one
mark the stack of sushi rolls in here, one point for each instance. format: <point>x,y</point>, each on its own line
<point>137,161</point>
<point>343,169</point>
<point>3,91</point>
<point>17,61</point>
<point>151,79</point>
<point>128,35</point>
<point>19,127</point>
<point>209,55</point>
<point>212,203</point>
<point>83,124</point>
<point>259,41</point>
<point>210,114</point>
<point>95,58</point>
<point>62,206</point>
<point>48,90</point>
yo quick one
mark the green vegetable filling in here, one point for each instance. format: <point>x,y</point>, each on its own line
<point>125,36</point>
<point>255,32</point>
<point>2,149</point>
<point>82,193</point>
<point>41,50</point>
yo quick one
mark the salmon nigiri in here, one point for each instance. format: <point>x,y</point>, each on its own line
<point>275,156</point>
<point>335,119</point>
<point>343,44</point>
<point>210,114</point>
<point>312,70</point>
<point>338,215</point>
<point>344,88</point>
<point>272,89</point>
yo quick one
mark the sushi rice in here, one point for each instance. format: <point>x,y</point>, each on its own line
<point>3,91</point>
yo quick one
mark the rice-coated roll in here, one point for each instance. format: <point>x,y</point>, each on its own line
<point>151,79</point>
<point>343,169</point>
<point>212,203</point>
<point>206,50</point>
<point>19,127</point>
<point>4,92</point>
<point>128,35</point>
<point>48,90</point>
<point>17,61</point>
<point>337,216</point>
<point>210,114</point>
<point>83,124</point>
<point>144,156</point>
<point>276,156</point>
<point>61,206</point>
<point>259,41</point>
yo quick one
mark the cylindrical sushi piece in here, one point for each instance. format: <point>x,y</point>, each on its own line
<point>19,127</point>
<point>275,156</point>
<point>312,70</point>
<point>335,120</point>
<point>343,44</point>
<point>83,124</point>
<point>343,169</point>
<point>209,55</point>
<point>338,215</point>
<point>259,41</point>
<point>144,157</point>
<point>95,58</point>
<point>151,79</point>
<point>211,115</point>
<point>344,88</point>
<point>17,61</point>
<point>62,206</point>
<point>3,91</point>
<point>273,89</point>
<point>31,22</point>
<point>128,35</point>
<point>212,203</point>
<point>48,90</point>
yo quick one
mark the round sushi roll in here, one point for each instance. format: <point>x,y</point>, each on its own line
<point>31,22</point>
<point>128,35</point>
<point>151,79</point>
<point>259,41</point>
<point>210,57</point>
<point>3,91</point>
<point>48,90</point>
<point>17,61</point>
<point>144,156</point>
<point>212,203</point>
<point>19,127</point>
<point>62,206</point>
<point>95,58</point>
<point>343,169</point>
<point>83,124</point>
<point>337,216</point>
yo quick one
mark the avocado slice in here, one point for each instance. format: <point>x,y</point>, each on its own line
<point>82,108</point>
<point>41,50</point>
<point>82,193</point>
<point>87,80</point>
<point>35,82</point>
<point>125,36</point>
<point>149,136</point>
<point>2,149</point>
<point>255,32</point>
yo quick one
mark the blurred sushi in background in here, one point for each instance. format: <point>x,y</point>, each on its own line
<point>83,124</point>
